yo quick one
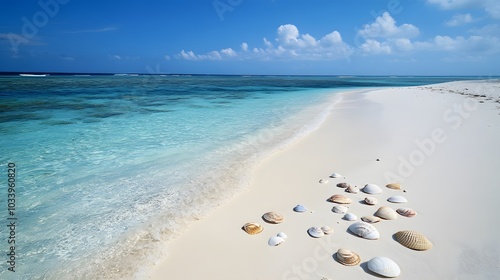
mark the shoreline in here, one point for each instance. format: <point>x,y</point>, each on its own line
<point>361,128</point>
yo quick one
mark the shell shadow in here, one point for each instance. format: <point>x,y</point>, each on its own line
<point>364,266</point>
<point>335,258</point>
<point>363,202</point>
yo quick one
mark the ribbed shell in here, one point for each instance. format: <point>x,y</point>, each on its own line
<point>342,185</point>
<point>394,186</point>
<point>371,200</point>
<point>386,213</point>
<point>348,257</point>
<point>315,232</point>
<point>364,230</point>
<point>339,209</point>
<point>252,228</point>
<point>370,219</point>
<point>352,189</point>
<point>371,189</point>
<point>407,212</point>
<point>273,217</point>
<point>384,266</point>
<point>341,199</point>
<point>413,240</point>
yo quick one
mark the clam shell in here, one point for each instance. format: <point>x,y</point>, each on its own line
<point>327,229</point>
<point>350,217</point>
<point>342,185</point>
<point>413,240</point>
<point>348,257</point>
<point>282,235</point>
<point>339,198</point>
<point>364,230</point>
<point>323,181</point>
<point>339,209</point>
<point>252,228</point>
<point>407,212</point>
<point>299,208</point>
<point>394,186</point>
<point>315,232</point>
<point>275,240</point>
<point>384,266</point>
<point>273,217</point>
<point>386,213</point>
<point>371,200</point>
<point>397,199</point>
<point>335,175</point>
<point>371,189</point>
<point>352,189</point>
<point>370,219</point>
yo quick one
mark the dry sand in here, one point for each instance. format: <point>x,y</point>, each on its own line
<point>441,142</point>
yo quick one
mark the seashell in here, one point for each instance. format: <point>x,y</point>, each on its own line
<point>339,209</point>
<point>282,235</point>
<point>384,266</point>
<point>397,199</point>
<point>407,212</point>
<point>350,217</point>
<point>348,257</point>
<point>413,240</point>
<point>342,185</point>
<point>371,189</point>
<point>315,232</point>
<point>352,189</point>
<point>275,240</point>
<point>327,229</point>
<point>273,217</point>
<point>252,228</point>
<point>386,213</point>
<point>364,230</point>
<point>370,219</point>
<point>339,198</point>
<point>299,208</point>
<point>371,200</point>
<point>323,181</point>
<point>394,186</point>
<point>335,175</point>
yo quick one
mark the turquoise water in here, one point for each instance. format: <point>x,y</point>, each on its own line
<point>110,168</point>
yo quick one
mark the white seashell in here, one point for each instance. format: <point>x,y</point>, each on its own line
<point>386,213</point>
<point>282,235</point>
<point>275,240</point>
<point>406,212</point>
<point>323,181</point>
<point>339,209</point>
<point>364,230</point>
<point>370,219</point>
<point>397,199</point>
<point>335,175</point>
<point>371,200</point>
<point>315,232</point>
<point>371,189</point>
<point>352,189</point>
<point>327,229</point>
<point>384,266</point>
<point>350,217</point>
<point>299,208</point>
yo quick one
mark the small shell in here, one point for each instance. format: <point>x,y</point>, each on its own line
<point>343,185</point>
<point>350,217</point>
<point>384,266</point>
<point>407,212</point>
<point>275,240</point>
<point>371,189</point>
<point>315,232</point>
<point>370,219</point>
<point>339,198</point>
<point>370,200</point>
<point>327,229</point>
<point>252,228</point>
<point>413,240</point>
<point>352,189</point>
<point>348,257</point>
<point>386,213</point>
<point>364,230</point>
<point>299,208</point>
<point>397,199</point>
<point>335,175</point>
<point>339,209</point>
<point>323,181</point>
<point>282,235</point>
<point>273,217</point>
<point>394,186</point>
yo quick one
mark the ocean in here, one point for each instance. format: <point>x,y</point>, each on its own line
<point>107,169</point>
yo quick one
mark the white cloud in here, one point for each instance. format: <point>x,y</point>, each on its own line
<point>375,47</point>
<point>460,19</point>
<point>492,7</point>
<point>385,27</point>
<point>228,52</point>
<point>244,46</point>
<point>167,57</point>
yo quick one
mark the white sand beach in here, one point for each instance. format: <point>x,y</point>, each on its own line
<point>440,142</point>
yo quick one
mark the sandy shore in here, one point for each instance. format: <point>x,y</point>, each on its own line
<point>441,142</point>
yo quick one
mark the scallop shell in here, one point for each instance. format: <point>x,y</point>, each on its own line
<point>370,219</point>
<point>384,266</point>
<point>386,213</point>
<point>371,189</point>
<point>348,257</point>
<point>275,240</point>
<point>252,228</point>
<point>397,199</point>
<point>371,200</point>
<point>407,212</point>
<point>315,232</point>
<point>339,209</point>
<point>352,189</point>
<point>364,230</point>
<point>343,185</point>
<point>413,240</point>
<point>273,217</point>
<point>339,198</point>
<point>394,186</point>
<point>282,235</point>
<point>299,208</point>
<point>335,175</point>
<point>350,217</point>
<point>323,181</point>
<point>327,229</point>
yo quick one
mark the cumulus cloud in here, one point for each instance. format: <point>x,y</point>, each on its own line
<point>244,46</point>
<point>375,47</point>
<point>385,27</point>
<point>492,7</point>
<point>460,19</point>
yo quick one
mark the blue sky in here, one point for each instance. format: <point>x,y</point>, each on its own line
<point>356,37</point>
